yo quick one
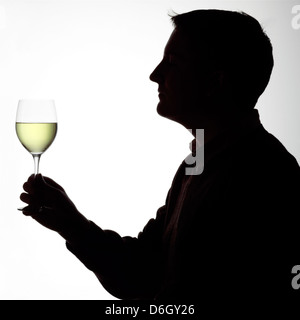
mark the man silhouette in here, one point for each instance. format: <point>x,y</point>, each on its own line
<point>229,234</point>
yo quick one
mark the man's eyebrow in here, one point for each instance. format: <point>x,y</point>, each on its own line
<point>172,53</point>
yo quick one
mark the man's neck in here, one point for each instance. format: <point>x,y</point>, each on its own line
<point>215,126</point>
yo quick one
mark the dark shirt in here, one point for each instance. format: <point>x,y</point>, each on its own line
<point>229,233</point>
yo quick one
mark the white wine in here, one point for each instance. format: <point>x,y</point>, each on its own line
<point>36,137</point>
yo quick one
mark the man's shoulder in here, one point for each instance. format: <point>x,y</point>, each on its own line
<point>265,170</point>
<point>262,148</point>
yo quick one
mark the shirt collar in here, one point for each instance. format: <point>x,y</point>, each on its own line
<point>239,127</point>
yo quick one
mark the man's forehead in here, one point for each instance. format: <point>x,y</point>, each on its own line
<point>178,44</point>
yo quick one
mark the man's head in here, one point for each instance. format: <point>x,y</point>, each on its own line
<point>215,61</point>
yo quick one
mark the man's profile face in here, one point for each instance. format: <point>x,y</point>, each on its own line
<point>182,80</point>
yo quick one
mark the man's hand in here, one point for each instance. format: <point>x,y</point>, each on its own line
<point>49,205</point>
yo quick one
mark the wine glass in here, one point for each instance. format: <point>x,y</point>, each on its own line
<point>36,127</point>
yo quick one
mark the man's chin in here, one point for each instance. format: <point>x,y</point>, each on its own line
<point>163,111</point>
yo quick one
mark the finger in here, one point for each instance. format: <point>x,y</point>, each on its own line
<point>28,211</point>
<point>29,184</point>
<point>28,187</point>
<point>25,197</point>
<point>32,211</point>
<point>31,179</point>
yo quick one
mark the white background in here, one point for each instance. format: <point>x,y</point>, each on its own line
<point>113,154</point>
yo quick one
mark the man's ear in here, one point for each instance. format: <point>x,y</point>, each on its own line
<point>216,82</point>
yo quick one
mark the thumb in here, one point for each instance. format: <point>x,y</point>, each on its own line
<point>45,182</point>
<point>53,184</point>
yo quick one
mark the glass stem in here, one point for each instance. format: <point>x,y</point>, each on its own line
<point>36,159</point>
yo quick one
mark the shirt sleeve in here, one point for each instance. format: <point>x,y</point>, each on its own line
<point>127,267</point>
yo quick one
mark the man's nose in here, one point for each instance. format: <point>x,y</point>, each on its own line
<point>156,75</point>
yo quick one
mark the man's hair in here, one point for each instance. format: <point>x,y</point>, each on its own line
<point>237,45</point>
